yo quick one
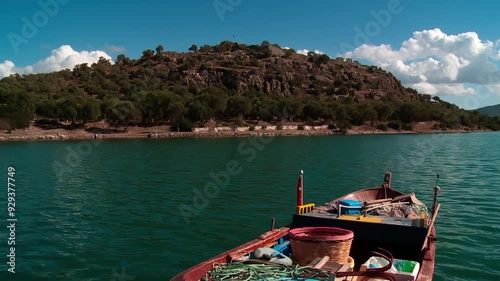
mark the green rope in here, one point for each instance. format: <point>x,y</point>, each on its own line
<point>264,272</point>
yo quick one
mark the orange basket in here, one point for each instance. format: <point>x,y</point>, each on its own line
<point>309,243</point>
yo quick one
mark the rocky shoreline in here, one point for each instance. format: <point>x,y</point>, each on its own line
<point>37,134</point>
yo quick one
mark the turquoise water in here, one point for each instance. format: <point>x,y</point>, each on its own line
<point>111,210</point>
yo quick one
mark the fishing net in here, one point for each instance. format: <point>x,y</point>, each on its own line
<point>263,271</point>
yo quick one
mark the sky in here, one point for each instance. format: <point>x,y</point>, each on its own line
<point>449,49</point>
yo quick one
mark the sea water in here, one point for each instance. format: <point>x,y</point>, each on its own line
<point>149,209</point>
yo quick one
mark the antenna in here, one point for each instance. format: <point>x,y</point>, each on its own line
<point>437,179</point>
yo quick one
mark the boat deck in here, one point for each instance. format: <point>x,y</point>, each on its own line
<point>401,236</point>
<point>372,219</point>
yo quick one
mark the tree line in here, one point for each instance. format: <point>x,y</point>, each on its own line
<point>184,108</point>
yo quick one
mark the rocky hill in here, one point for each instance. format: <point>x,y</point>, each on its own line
<point>271,70</point>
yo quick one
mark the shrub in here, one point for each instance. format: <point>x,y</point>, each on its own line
<point>238,123</point>
<point>301,127</point>
<point>382,127</point>
<point>183,126</point>
<point>279,127</point>
<point>396,125</point>
<point>332,127</point>
<point>264,127</point>
<point>251,128</point>
<point>407,127</point>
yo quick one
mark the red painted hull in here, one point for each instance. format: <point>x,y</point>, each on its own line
<point>427,265</point>
<point>198,271</point>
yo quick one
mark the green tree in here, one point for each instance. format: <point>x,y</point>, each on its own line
<point>124,113</point>
<point>47,108</point>
<point>17,107</point>
<point>369,113</point>
<point>193,48</point>
<point>262,107</point>
<point>147,54</point>
<point>238,106</point>
<point>159,49</point>
<point>91,110</point>
<point>198,111</point>
<point>322,59</point>
<point>67,109</point>
<point>175,113</point>
<point>121,59</point>
<point>384,111</point>
<point>290,108</point>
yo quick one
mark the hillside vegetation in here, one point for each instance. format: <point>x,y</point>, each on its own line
<point>229,82</point>
<point>493,110</point>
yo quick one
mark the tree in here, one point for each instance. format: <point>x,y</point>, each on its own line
<point>17,107</point>
<point>215,99</point>
<point>384,111</point>
<point>147,54</point>
<point>124,112</point>
<point>262,106</point>
<point>159,49</point>
<point>83,72</point>
<point>322,59</point>
<point>67,109</point>
<point>175,112</point>
<point>193,48</point>
<point>91,110</point>
<point>198,112</point>
<point>121,59</point>
<point>238,106</point>
<point>47,108</point>
<point>315,110</point>
<point>291,107</point>
<point>369,113</point>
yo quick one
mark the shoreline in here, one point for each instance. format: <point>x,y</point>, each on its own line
<point>161,132</point>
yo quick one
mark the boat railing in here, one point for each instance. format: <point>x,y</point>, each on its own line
<point>307,208</point>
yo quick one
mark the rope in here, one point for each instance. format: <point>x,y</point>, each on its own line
<point>264,271</point>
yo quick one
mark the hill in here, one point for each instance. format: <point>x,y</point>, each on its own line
<point>230,82</point>
<point>493,110</point>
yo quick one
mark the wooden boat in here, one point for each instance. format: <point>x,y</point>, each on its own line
<point>387,225</point>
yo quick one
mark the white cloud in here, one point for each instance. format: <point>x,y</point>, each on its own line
<point>448,89</point>
<point>63,57</point>
<point>115,49</point>
<point>305,51</point>
<point>6,68</point>
<point>437,63</point>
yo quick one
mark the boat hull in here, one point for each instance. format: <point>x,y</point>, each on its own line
<point>199,271</point>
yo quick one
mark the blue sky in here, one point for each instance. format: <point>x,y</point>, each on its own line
<point>450,30</point>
